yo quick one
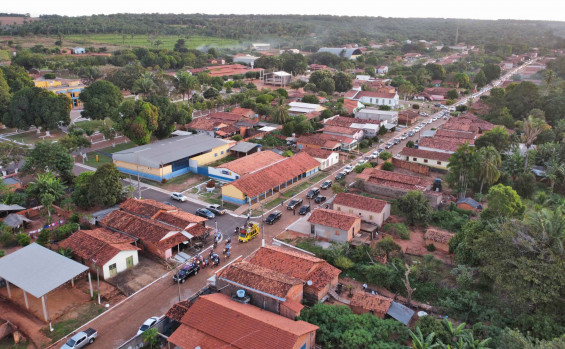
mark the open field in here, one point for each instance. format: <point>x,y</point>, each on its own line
<point>168,41</point>
<point>103,158</point>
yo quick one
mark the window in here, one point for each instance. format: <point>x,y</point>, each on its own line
<point>439,162</point>
<point>339,208</point>
<point>413,159</point>
<point>129,262</point>
<point>350,210</point>
<point>425,161</point>
<point>215,154</point>
<point>222,152</point>
<point>370,216</point>
<point>337,232</point>
<point>113,270</point>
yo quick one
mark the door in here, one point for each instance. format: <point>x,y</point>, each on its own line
<point>113,270</point>
<point>129,262</point>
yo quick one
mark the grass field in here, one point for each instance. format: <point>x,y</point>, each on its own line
<point>168,41</point>
<point>104,159</point>
<point>32,137</point>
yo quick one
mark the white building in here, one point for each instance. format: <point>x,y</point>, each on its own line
<point>368,209</point>
<point>378,98</point>
<point>260,47</point>
<point>245,59</point>
<point>326,158</point>
<point>382,70</point>
<point>297,108</point>
<point>390,116</point>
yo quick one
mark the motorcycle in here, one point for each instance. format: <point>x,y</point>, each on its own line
<point>215,244</point>
<point>227,249</point>
<point>215,261</point>
<point>228,253</point>
<point>228,240</point>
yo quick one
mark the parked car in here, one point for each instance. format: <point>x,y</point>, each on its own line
<point>168,203</point>
<point>217,209</point>
<point>348,169</point>
<point>204,212</point>
<point>81,339</point>
<point>294,204</point>
<point>178,197</point>
<point>148,324</point>
<point>340,175</point>
<point>326,184</point>
<point>367,158</point>
<point>273,217</point>
<point>404,136</point>
<point>185,272</point>
<point>304,209</point>
<point>319,199</point>
<point>410,133</point>
<point>380,150</point>
<point>313,193</point>
<point>388,145</point>
<point>361,162</point>
<point>396,140</point>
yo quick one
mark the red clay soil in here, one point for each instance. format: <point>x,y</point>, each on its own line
<point>28,324</point>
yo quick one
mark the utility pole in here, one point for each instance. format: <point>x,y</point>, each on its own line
<point>262,227</point>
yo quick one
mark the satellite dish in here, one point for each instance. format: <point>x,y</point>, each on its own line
<point>309,282</point>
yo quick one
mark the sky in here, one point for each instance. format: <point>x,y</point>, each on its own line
<point>477,9</point>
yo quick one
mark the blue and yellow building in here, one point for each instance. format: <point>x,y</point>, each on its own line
<point>71,88</point>
<point>172,157</point>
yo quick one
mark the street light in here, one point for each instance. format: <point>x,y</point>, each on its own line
<point>97,278</point>
<point>262,227</point>
<point>178,278</point>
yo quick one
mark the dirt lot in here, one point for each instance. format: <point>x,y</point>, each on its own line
<point>28,324</point>
<point>132,280</point>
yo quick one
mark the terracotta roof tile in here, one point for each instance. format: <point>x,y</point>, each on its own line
<point>177,311</point>
<point>179,219</point>
<point>145,207</point>
<point>360,202</point>
<point>394,179</point>
<point>425,154</point>
<point>441,143</point>
<point>454,134</point>
<point>341,130</point>
<point>248,113</point>
<point>293,305</point>
<point>264,179</point>
<point>318,152</point>
<point>469,123</point>
<point>372,302</point>
<point>100,245</point>
<point>252,162</point>
<point>260,278</point>
<point>438,235</point>
<point>237,322</point>
<point>334,219</point>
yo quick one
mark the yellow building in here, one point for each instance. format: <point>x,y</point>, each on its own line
<point>71,88</point>
<point>172,157</point>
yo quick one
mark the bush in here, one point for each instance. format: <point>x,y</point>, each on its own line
<point>360,168</point>
<point>415,106</point>
<point>211,184</point>
<point>74,218</point>
<point>7,239</point>
<point>64,231</point>
<point>44,237</point>
<point>388,166</point>
<point>237,138</point>
<point>397,229</point>
<point>451,219</point>
<point>385,155</point>
<point>50,76</point>
<point>23,239</point>
<point>2,253</point>
<point>431,247</point>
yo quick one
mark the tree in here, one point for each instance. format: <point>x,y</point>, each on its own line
<point>11,152</point>
<point>49,156</point>
<point>387,245</point>
<point>280,112</point>
<point>532,128</point>
<point>211,93</point>
<point>410,144</point>
<point>73,142</point>
<point>549,225</point>
<point>415,206</point>
<point>101,100</point>
<point>16,77</point>
<point>327,85</point>
<point>463,80</point>
<point>436,71</point>
<point>490,162</point>
<point>169,115</point>
<point>452,94</point>
<point>185,83</point>
<point>338,188</point>
<point>498,138</point>
<point>385,155</point>
<point>310,99</point>
<point>138,120</point>
<point>388,166</point>
<point>34,106</point>
<point>145,85</point>
<point>318,76</point>
<point>491,72</point>
<point>89,74</point>
<point>180,46</point>
<point>151,335</point>
<point>5,94</point>
<point>480,79</point>
<point>521,98</point>
<point>105,188</point>
<point>461,166</point>
<point>343,82</point>
<point>419,342</point>
<point>47,188</point>
<point>81,190</point>
<point>503,202</point>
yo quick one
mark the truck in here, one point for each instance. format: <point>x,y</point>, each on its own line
<point>81,339</point>
<point>248,231</point>
<point>186,271</point>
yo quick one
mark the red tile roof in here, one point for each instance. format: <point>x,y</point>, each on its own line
<point>438,235</point>
<point>260,278</point>
<point>351,94</point>
<point>340,130</point>
<point>454,134</point>
<point>296,264</point>
<point>216,321</point>
<point>100,245</point>
<point>177,311</point>
<point>225,116</point>
<point>469,123</point>
<point>425,154</point>
<point>360,202</point>
<point>243,112</point>
<point>394,179</point>
<point>350,105</point>
<point>371,302</point>
<point>324,140</point>
<point>342,121</point>
<point>179,219</point>
<point>205,123</point>
<point>334,219</point>
<point>252,162</point>
<point>267,178</point>
<point>318,153</point>
<point>146,207</point>
<point>224,70</point>
<point>441,143</point>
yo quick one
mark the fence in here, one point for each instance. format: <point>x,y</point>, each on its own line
<point>411,166</point>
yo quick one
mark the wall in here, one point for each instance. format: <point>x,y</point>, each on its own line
<point>411,166</point>
<point>367,216</point>
<point>439,246</point>
<point>333,234</point>
<point>357,135</point>
<point>383,190</point>
<point>232,194</point>
<point>222,173</point>
<point>158,172</point>
<point>120,260</point>
<point>331,160</point>
<point>306,341</point>
<point>213,155</point>
<point>430,163</point>
<point>257,299</point>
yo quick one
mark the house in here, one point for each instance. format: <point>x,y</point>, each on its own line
<point>172,157</point>
<point>314,67</point>
<point>341,131</point>
<point>326,158</point>
<point>228,70</point>
<point>78,50</point>
<point>468,204</point>
<point>260,47</point>
<point>218,321</point>
<point>245,59</point>
<point>370,128</point>
<point>268,289</point>
<point>12,183</point>
<point>352,106</point>
<point>242,149</point>
<point>377,98</point>
<point>390,116</point>
<point>268,181</point>
<point>333,225</point>
<point>327,141</point>
<point>436,83</point>
<point>230,171</point>
<point>277,78</point>
<point>318,275</point>
<point>245,112</point>
<point>69,87</point>
<point>439,145</point>
<point>368,209</point>
<point>468,122</point>
<point>300,108</point>
<point>365,302</point>
<point>382,70</point>
<point>407,117</point>
<point>429,158</point>
<point>108,251</point>
<point>349,53</point>
<point>439,238</point>
<point>450,135</point>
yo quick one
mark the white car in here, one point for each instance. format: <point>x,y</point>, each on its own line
<point>148,324</point>
<point>375,155</point>
<point>179,197</point>
<point>348,169</point>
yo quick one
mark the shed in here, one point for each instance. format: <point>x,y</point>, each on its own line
<point>38,270</point>
<point>245,148</point>
<point>468,204</point>
<point>15,220</point>
<point>400,312</point>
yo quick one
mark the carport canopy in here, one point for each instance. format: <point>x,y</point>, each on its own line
<point>38,270</point>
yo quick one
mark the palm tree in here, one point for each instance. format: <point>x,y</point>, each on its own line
<point>419,342</point>
<point>145,85</point>
<point>553,169</point>
<point>46,184</point>
<point>532,129</point>
<point>550,224</point>
<point>281,112</point>
<point>489,162</point>
<point>185,83</point>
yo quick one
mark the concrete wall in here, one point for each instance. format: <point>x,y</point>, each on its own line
<point>334,234</point>
<point>222,173</point>
<point>213,155</point>
<point>439,246</point>
<point>306,341</point>
<point>366,216</point>
<point>232,194</point>
<point>411,166</point>
<point>120,261</point>
<point>330,161</point>
<point>428,162</point>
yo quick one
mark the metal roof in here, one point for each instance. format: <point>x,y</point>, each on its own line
<point>38,270</point>
<point>11,208</point>
<point>400,312</point>
<point>243,147</point>
<point>169,150</point>
<point>341,52</point>
<point>14,220</point>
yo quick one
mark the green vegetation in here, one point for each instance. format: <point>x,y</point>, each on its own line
<point>167,41</point>
<point>85,313</point>
<point>305,184</point>
<point>398,229</point>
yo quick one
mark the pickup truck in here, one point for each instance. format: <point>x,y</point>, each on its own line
<point>81,339</point>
